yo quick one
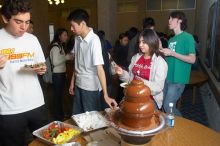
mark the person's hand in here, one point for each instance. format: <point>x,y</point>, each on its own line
<point>111,102</point>
<point>69,56</point>
<point>71,89</point>
<point>3,60</point>
<point>118,70</point>
<point>41,70</point>
<point>166,51</point>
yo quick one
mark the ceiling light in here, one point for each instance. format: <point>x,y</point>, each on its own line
<point>57,2</point>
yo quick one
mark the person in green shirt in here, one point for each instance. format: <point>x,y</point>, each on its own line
<point>180,55</point>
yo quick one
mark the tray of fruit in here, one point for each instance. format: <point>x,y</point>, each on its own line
<point>57,133</point>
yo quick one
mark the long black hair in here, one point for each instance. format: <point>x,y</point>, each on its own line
<point>56,39</point>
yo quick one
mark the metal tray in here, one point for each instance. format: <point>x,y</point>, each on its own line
<point>38,133</point>
<point>89,121</point>
<point>142,133</point>
<point>110,113</point>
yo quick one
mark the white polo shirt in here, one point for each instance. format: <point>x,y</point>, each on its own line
<point>88,54</point>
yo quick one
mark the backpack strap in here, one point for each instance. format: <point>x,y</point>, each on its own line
<point>51,64</point>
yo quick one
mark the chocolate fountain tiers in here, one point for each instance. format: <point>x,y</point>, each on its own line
<point>136,120</point>
<point>137,108</point>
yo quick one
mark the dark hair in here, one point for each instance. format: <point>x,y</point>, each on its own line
<point>13,7</point>
<point>151,39</point>
<point>132,32</point>
<point>122,35</point>
<point>70,44</point>
<point>101,34</point>
<point>78,16</point>
<point>196,38</point>
<point>58,33</point>
<point>180,15</point>
<point>148,22</point>
<point>56,39</point>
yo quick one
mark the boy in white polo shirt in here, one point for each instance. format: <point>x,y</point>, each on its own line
<point>89,76</point>
<point>21,97</point>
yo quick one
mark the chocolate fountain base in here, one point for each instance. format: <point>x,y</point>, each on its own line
<point>135,140</point>
<point>133,136</point>
<point>123,143</point>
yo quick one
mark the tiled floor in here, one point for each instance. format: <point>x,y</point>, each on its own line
<point>195,112</point>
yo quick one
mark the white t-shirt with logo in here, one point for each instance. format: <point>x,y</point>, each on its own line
<point>20,90</point>
<point>88,54</point>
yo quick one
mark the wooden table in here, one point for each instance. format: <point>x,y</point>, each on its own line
<point>187,133</point>
<point>197,78</point>
<point>184,133</point>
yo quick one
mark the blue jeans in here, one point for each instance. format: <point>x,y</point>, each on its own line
<point>172,92</point>
<point>85,100</point>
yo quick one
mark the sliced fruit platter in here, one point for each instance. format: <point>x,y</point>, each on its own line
<point>57,133</point>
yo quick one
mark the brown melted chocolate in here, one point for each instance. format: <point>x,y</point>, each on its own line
<point>116,119</point>
<point>137,109</point>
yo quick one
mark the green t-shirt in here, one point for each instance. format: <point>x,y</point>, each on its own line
<point>178,70</point>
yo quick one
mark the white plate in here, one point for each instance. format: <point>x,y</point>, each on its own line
<point>89,121</point>
<point>123,85</point>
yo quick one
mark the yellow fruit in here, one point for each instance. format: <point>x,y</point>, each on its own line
<point>65,136</point>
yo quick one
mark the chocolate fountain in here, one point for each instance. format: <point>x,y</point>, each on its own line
<point>136,120</point>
